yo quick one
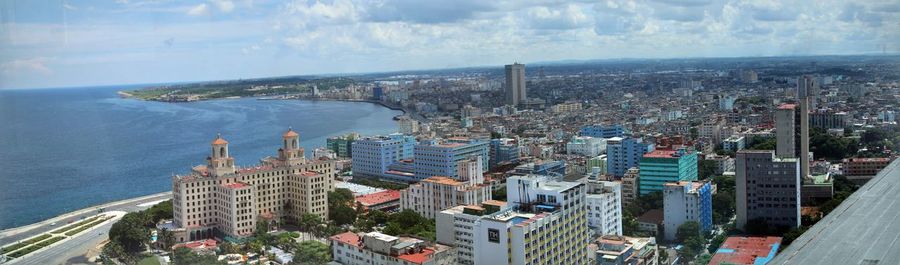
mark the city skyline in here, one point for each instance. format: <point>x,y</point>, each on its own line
<point>130,42</point>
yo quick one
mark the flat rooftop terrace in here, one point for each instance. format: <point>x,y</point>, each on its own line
<point>862,230</point>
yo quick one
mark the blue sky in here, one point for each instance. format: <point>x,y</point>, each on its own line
<point>79,43</point>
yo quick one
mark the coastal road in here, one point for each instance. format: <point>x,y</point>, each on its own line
<point>76,246</point>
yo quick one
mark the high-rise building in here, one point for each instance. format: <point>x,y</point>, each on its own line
<point>785,131</point>
<point>503,150</point>
<point>604,203</point>
<point>661,166</point>
<point>515,84</point>
<point>603,131</point>
<point>687,201</point>
<point>457,227</point>
<point>220,199</point>
<point>767,188</point>
<point>807,88</point>
<point>624,153</point>
<point>350,248</point>
<point>598,162</point>
<point>545,223</point>
<point>373,155</point>
<point>440,158</point>
<point>630,185</point>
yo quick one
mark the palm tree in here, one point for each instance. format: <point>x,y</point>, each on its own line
<point>167,238</point>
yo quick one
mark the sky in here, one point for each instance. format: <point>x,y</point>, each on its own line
<point>61,43</point>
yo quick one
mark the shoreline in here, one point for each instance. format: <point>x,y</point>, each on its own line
<point>58,218</point>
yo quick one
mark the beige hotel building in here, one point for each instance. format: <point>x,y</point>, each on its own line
<point>219,199</point>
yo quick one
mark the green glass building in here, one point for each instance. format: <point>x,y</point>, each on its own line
<point>661,166</point>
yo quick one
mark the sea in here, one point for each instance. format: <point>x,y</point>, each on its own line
<point>71,148</point>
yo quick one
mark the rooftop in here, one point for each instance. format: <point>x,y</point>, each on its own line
<point>378,197</point>
<point>235,185</point>
<point>443,180</point>
<point>746,250</point>
<point>861,230</point>
<point>787,106</point>
<point>663,154</point>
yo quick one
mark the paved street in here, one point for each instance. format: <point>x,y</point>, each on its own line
<point>70,250</point>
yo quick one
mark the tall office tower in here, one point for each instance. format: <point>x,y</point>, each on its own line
<point>785,131</point>
<point>806,93</point>
<point>221,198</point>
<point>767,188</point>
<point>515,84</point>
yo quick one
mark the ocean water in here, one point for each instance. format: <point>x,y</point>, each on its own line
<point>67,149</point>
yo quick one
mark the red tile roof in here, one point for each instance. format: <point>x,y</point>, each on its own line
<point>745,250</point>
<point>418,258</point>
<point>787,106</point>
<point>378,197</point>
<point>348,238</point>
<point>290,133</point>
<point>234,185</point>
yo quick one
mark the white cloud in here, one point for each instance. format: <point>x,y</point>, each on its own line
<point>199,10</point>
<point>226,6</point>
<point>26,66</point>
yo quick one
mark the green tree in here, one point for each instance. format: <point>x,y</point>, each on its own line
<point>160,211</point>
<point>342,214</point>
<point>715,243</point>
<point>166,238</point>
<point>112,251</point>
<point>499,194</point>
<point>723,204</point>
<point>706,169</point>
<point>312,253</point>
<point>703,259</point>
<point>131,232</point>
<point>688,230</point>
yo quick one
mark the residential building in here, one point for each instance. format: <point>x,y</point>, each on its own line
<point>767,188</point>
<point>734,143</point>
<point>440,158</point>
<point>687,201</point>
<point>661,166</point>
<point>566,107</point>
<point>623,250</point>
<point>503,150</point>
<point>224,200</point>
<point>711,129</point>
<point>408,125</point>
<point>597,162</point>
<point>542,167</point>
<point>373,155</point>
<point>738,250</point>
<point>828,120</point>
<point>456,227</point>
<point>624,153</point>
<point>630,185</point>
<point>723,163</point>
<point>342,145</point>
<point>515,84</point>
<point>785,131</point>
<point>603,131</point>
<point>376,248</point>
<point>586,146</point>
<point>435,194</point>
<point>544,223</point>
<point>865,166</point>
<point>386,201</point>
<point>604,203</point>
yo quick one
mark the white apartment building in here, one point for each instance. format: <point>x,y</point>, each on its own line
<point>545,223</point>
<point>604,202</point>
<point>586,146</point>
<point>456,227</point>
<point>686,201</point>
<point>220,199</point>
<point>435,194</point>
<point>379,249</point>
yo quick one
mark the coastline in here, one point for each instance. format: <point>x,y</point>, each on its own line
<point>61,217</point>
